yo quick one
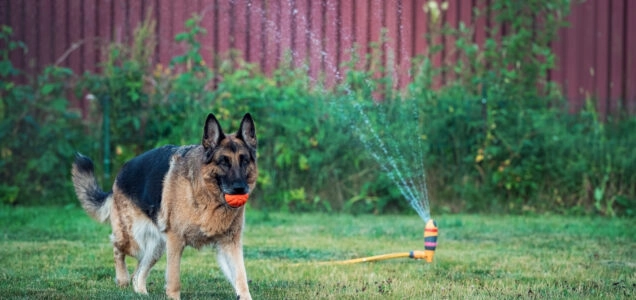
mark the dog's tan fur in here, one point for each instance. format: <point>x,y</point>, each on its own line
<point>193,213</point>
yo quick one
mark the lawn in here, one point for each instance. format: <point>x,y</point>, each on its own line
<point>58,252</point>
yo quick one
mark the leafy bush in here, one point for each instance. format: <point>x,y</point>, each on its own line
<point>39,132</point>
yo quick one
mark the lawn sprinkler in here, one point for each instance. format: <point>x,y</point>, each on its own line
<point>430,243</point>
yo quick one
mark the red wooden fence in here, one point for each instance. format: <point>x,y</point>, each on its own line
<point>596,55</point>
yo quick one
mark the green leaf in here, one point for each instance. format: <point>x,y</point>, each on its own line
<point>47,88</point>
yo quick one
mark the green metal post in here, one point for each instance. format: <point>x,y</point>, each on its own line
<point>106,136</point>
<point>484,107</point>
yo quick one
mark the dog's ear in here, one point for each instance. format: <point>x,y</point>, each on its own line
<point>247,132</point>
<point>212,133</point>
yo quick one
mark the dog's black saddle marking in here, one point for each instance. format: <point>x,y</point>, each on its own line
<point>141,179</point>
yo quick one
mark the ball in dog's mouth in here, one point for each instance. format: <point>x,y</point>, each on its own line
<point>236,200</point>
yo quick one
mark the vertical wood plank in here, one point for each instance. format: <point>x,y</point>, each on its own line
<point>121,29</point>
<point>207,40</point>
<point>316,39</point>
<point>361,32</point>
<point>557,74</point>
<point>286,31</point>
<point>18,19</point>
<point>165,34</point>
<point>347,35</point>
<point>465,21</point>
<point>331,57</point>
<point>224,30</point>
<point>5,14</point>
<point>630,59</point>
<point>466,12</point>
<point>5,20</point>
<point>405,20</point>
<point>346,32</point>
<point>573,59</point>
<point>437,43</point>
<point>75,35</point>
<point>375,22</point>
<point>601,68</point>
<point>479,21</point>
<point>241,42</point>
<point>586,49</point>
<point>152,8</point>
<point>88,35</point>
<point>30,34</point>
<point>45,34</point>
<point>179,16</point>
<point>105,27</point>
<point>420,30</point>
<point>616,54</point>
<point>273,35</point>
<point>256,32</point>
<point>450,53</point>
<point>61,31</point>
<point>134,16</point>
<point>301,33</point>
<point>391,48</point>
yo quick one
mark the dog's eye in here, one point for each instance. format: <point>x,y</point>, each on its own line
<point>244,160</point>
<point>224,162</point>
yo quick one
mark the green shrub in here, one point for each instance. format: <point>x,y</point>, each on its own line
<point>39,133</point>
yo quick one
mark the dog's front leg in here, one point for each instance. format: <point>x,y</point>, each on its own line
<point>231,262</point>
<point>174,245</point>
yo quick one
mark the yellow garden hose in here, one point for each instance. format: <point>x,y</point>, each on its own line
<point>430,243</point>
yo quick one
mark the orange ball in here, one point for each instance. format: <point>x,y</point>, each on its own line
<point>236,200</point>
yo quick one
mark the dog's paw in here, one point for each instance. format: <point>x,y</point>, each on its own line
<point>122,282</point>
<point>173,295</point>
<point>139,287</point>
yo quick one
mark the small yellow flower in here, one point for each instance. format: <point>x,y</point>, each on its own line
<point>433,8</point>
<point>158,70</point>
<point>313,142</point>
<point>480,156</point>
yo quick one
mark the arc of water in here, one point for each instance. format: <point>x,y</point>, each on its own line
<point>389,164</point>
<point>415,194</point>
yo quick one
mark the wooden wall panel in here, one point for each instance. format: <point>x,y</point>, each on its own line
<point>595,55</point>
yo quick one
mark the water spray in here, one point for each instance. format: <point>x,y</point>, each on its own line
<point>430,243</point>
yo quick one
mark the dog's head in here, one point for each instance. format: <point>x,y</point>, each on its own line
<point>229,162</point>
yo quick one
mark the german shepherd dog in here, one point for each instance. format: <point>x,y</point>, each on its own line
<point>172,197</point>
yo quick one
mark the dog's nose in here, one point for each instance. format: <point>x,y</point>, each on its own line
<point>239,188</point>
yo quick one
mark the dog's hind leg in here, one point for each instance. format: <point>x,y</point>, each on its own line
<point>147,234</point>
<point>147,261</point>
<point>121,273</point>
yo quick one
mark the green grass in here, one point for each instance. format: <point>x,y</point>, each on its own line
<point>57,252</point>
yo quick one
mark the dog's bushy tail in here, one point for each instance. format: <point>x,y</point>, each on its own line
<point>95,202</point>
